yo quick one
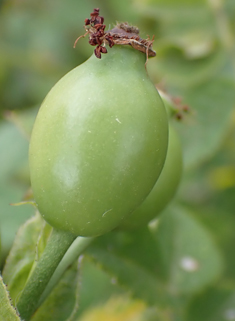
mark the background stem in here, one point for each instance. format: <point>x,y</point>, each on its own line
<point>57,245</point>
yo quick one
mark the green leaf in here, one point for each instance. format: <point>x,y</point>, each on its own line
<point>23,120</point>
<point>189,258</point>
<point>182,73</point>
<point>62,303</point>
<point>138,246</point>
<point>141,283</point>
<point>22,255</point>
<point>7,311</point>
<point>215,304</point>
<point>212,107</point>
<point>14,182</point>
<point>178,25</point>
<point>206,86</point>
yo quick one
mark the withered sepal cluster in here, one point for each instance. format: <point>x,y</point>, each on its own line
<point>122,34</point>
<point>97,34</point>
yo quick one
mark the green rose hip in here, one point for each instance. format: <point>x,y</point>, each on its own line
<point>164,189</point>
<point>99,142</point>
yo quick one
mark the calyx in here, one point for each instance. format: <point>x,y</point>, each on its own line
<point>121,34</point>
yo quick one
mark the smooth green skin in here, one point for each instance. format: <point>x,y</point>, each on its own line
<point>98,144</point>
<point>164,189</point>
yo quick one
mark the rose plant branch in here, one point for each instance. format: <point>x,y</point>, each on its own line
<point>57,245</point>
<point>77,247</point>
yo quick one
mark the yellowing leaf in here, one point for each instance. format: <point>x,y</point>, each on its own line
<point>116,309</point>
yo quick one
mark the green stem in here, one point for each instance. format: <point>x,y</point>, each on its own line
<point>57,245</point>
<point>78,246</point>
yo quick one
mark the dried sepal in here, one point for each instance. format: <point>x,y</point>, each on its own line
<point>121,34</point>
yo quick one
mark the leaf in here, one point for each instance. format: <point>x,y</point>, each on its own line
<point>206,86</point>
<point>96,286</point>
<point>189,258</point>
<point>24,120</point>
<point>189,26</point>
<point>138,246</point>
<point>185,74</point>
<point>14,181</point>
<point>214,304</point>
<point>7,311</point>
<point>203,133</point>
<point>22,255</point>
<point>116,308</point>
<point>142,284</point>
<point>62,303</point>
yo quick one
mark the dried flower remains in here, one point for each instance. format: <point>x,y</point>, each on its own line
<point>121,34</point>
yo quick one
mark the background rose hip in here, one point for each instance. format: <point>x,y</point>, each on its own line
<point>164,189</point>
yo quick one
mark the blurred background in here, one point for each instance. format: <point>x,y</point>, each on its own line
<point>195,66</point>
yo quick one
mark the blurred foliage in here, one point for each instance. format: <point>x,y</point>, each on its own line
<point>28,245</point>
<point>7,311</point>
<point>117,309</point>
<point>183,267</point>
